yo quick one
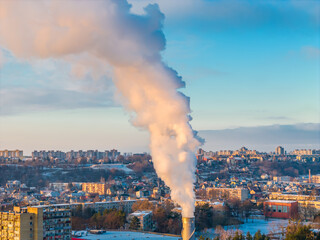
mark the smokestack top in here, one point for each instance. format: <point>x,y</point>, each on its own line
<point>188,228</point>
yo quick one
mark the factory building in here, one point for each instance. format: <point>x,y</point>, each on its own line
<point>280,209</point>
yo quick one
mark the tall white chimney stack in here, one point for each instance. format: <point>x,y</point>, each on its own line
<point>188,229</point>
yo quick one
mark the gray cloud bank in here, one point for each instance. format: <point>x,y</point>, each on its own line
<point>264,138</point>
<point>21,100</point>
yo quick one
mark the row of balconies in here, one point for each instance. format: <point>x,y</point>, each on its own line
<point>55,221</point>
<point>57,236</point>
<point>48,226</point>
<point>56,217</point>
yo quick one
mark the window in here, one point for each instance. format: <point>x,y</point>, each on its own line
<point>279,208</point>
<point>284,209</point>
<point>274,208</point>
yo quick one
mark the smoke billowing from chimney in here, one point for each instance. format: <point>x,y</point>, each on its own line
<point>106,33</point>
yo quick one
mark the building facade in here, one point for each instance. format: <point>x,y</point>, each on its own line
<point>280,150</point>
<point>125,205</point>
<point>93,187</point>
<point>11,153</point>
<point>222,193</point>
<point>280,209</point>
<point>145,218</point>
<point>315,178</point>
<point>292,197</point>
<point>304,152</point>
<point>16,226</point>
<point>36,223</point>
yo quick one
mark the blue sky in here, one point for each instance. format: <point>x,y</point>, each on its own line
<point>245,64</point>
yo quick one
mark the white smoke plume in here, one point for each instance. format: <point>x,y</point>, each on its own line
<point>107,33</point>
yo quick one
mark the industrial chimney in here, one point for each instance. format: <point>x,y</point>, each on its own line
<point>188,229</point>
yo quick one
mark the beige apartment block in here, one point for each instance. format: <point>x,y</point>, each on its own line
<point>99,188</point>
<point>16,226</point>
<point>36,223</point>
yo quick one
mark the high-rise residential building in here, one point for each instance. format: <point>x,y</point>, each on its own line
<point>304,152</point>
<point>93,187</point>
<point>11,153</point>
<point>145,219</point>
<point>16,226</point>
<point>45,222</point>
<point>315,178</point>
<point>225,153</point>
<point>238,193</point>
<point>280,150</point>
<point>51,222</point>
<point>44,155</point>
<point>89,154</point>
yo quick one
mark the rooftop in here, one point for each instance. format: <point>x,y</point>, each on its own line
<point>119,235</point>
<point>281,201</point>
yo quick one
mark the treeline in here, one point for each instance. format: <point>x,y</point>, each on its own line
<point>108,219</point>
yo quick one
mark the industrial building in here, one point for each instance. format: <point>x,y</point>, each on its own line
<point>280,209</point>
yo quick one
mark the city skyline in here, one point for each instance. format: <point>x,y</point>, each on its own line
<point>159,119</point>
<point>259,71</point>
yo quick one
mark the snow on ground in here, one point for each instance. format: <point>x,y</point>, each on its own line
<point>271,225</point>
<point>265,226</point>
<point>127,236</point>
<point>121,167</point>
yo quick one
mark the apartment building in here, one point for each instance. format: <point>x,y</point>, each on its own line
<point>238,193</point>
<point>51,222</point>
<point>16,226</point>
<point>280,150</point>
<point>125,205</point>
<point>304,152</point>
<point>145,218</point>
<point>36,223</point>
<point>94,187</point>
<point>292,197</point>
<point>11,154</point>
<point>315,179</point>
